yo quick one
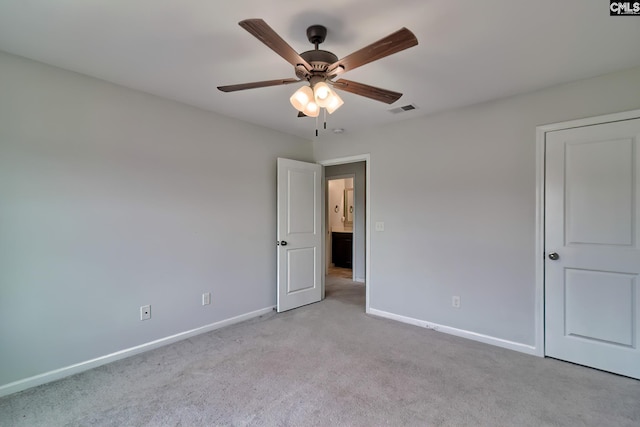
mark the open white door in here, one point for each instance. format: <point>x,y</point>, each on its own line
<point>592,239</point>
<point>299,233</point>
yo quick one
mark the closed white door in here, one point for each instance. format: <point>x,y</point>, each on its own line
<point>592,252</point>
<point>299,233</point>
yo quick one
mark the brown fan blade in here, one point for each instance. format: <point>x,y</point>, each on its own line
<point>266,35</point>
<point>393,43</point>
<point>243,86</point>
<point>379,94</point>
<point>301,114</point>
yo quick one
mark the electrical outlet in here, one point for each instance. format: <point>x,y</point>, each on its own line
<point>379,226</point>
<point>206,298</point>
<point>145,312</point>
<point>455,301</point>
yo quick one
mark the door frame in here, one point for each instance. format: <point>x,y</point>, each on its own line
<point>367,217</point>
<point>541,135</point>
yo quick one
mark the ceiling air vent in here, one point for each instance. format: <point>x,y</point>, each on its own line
<point>402,109</point>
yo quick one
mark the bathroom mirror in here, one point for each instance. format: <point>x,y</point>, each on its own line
<point>348,207</point>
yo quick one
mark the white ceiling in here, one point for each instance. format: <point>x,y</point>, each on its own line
<point>469,50</point>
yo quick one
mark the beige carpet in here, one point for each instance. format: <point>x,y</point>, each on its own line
<point>345,273</point>
<point>330,364</point>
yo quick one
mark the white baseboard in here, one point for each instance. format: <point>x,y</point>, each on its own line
<point>57,374</point>
<point>360,280</point>
<point>511,345</point>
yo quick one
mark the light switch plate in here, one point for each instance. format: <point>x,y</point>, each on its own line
<point>379,226</point>
<point>455,301</point>
<point>206,298</point>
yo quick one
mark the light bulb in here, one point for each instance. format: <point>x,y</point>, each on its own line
<point>301,98</point>
<point>312,109</point>
<point>334,103</point>
<point>322,93</point>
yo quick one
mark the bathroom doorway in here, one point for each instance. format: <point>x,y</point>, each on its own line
<point>345,238</point>
<point>346,231</point>
<point>340,219</point>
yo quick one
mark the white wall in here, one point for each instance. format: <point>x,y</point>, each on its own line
<point>111,199</point>
<point>456,192</point>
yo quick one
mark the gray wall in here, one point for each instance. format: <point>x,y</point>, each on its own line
<point>111,199</point>
<point>359,188</point>
<point>457,194</point>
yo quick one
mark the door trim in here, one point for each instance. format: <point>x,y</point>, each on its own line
<point>367,217</point>
<point>541,133</point>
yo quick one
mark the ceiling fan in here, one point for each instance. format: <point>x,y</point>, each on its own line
<point>321,67</point>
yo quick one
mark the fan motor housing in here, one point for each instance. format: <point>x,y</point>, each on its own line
<point>318,59</point>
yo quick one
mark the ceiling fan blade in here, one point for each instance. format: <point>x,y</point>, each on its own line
<point>301,114</point>
<point>268,36</point>
<point>376,93</point>
<point>253,85</point>
<point>393,43</point>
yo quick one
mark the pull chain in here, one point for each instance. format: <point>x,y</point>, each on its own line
<point>324,119</point>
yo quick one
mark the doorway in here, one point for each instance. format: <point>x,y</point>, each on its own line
<point>346,231</point>
<point>339,237</point>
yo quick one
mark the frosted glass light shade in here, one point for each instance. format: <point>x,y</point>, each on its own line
<point>334,103</point>
<point>301,98</point>
<point>312,109</point>
<point>322,94</point>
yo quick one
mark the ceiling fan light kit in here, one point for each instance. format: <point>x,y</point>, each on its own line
<point>309,100</point>
<point>322,93</point>
<point>301,98</point>
<point>320,67</point>
<point>334,103</point>
<point>311,109</point>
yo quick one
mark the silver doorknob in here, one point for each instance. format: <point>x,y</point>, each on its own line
<point>554,256</point>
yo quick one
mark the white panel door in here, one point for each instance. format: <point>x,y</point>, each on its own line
<point>592,233</point>
<point>299,234</point>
